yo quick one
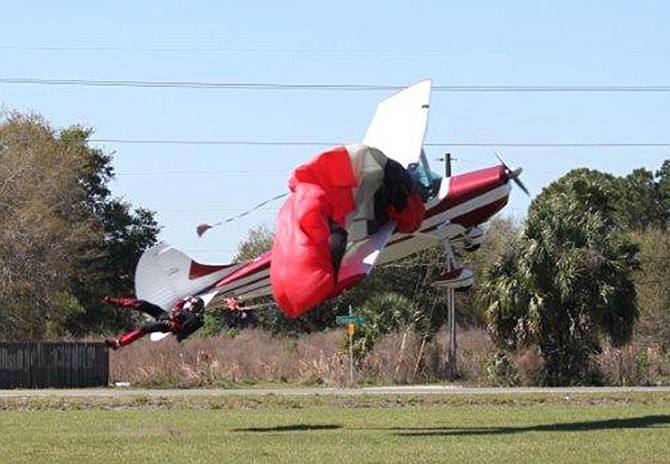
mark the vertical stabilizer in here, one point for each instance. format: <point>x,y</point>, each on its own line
<point>400,122</point>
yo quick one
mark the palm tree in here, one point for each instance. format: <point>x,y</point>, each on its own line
<point>566,283</point>
<point>385,313</point>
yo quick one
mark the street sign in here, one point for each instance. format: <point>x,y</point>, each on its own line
<point>346,320</point>
<point>351,322</point>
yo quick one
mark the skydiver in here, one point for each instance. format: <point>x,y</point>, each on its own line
<point>186,317</point>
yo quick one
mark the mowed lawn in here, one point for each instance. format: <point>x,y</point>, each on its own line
<point>389,430</point>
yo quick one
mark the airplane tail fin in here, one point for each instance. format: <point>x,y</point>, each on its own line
<point>164,275</point>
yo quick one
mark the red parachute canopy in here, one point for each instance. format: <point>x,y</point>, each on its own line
<point>311,223</point>
<point>301,273</point>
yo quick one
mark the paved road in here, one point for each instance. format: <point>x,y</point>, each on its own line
<point>401,390</point>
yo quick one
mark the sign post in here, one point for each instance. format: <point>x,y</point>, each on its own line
<point>452,350</point>
<point>351,322</point>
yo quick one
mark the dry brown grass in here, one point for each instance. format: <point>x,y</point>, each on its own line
<point>251,357</point>
<point>255,357</point>
<point>635,364</point>
<point>407,358</point>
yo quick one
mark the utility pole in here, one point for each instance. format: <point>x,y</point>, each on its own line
<point>451,367</point>
<point>447,164</point>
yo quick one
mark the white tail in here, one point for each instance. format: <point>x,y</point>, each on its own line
<point>165,275</point>
<point>399,124</point>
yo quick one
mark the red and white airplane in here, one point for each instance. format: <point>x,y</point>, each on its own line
<point>458,207</point>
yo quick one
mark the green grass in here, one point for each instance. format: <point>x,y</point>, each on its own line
<point>621,428</point>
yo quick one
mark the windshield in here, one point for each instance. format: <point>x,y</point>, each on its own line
<point>427,181</point>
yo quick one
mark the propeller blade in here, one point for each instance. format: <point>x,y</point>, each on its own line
<point>520,184</point>
<point>514,175</point>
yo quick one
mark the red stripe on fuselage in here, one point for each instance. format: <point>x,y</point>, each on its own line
<point>467,186</point>
<point>469,219</point>
<point>200,270</point>
<point>254,267</point>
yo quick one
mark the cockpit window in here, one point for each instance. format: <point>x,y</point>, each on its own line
<point>426,181</point>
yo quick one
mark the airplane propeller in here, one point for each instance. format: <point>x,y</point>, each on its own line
<point>514,174</point>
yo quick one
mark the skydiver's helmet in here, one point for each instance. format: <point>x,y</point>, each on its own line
<point>194,304</point>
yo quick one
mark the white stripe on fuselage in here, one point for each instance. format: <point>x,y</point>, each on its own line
<point>249,280</point>
<point>421,240</point>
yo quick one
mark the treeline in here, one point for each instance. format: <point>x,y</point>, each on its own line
<point>586,271</point>
<point>65,241</point>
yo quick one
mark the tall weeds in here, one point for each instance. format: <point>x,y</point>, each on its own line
<point>254,357</point>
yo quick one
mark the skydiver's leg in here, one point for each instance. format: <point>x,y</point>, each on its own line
<point>151,309</point>
<point>125,339</point>
<point>142,306</point>
<point>133,335</point>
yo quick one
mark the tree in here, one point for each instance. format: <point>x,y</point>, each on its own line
<point>500,232</point>
<point>109,267</point>
<point>568,280</point>
<point>653,287</point>
<point>663,185</point>
<point>64,240</point>
<point>385,313</point>
<point>38,198</point>
<point>259,240</point>
<point>643,201</point>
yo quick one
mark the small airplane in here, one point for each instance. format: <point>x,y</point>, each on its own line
<point>455,209</point>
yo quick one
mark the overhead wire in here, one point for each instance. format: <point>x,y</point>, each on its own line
<point>270,86</point>
<point>236,48</point>
<point>602,144</point>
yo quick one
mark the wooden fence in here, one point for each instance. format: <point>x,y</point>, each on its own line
<point>53,365</point>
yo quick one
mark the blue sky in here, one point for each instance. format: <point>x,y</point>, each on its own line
<point>522,43</point>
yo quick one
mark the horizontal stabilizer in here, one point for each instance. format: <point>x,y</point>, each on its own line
<point>165,275</point>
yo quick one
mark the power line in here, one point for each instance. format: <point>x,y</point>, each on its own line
<point>202,173</point>
<point>604,144</point>
<point>195,84</point>
<point>328,87</point>
<point>236,48</point>
<point>213,142</point>
<point>551,144</point>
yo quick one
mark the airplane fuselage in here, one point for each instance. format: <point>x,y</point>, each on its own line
<point>463,202</point>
